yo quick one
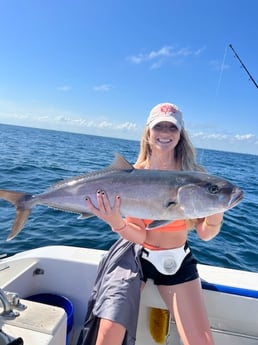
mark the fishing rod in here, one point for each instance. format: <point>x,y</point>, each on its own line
<point>243,65</point>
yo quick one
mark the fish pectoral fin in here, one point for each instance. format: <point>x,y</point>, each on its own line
<point>171,203</point>
<point>86,215</point>
<point>157,224</point>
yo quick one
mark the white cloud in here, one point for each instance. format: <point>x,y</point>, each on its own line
<point>74,122</point>
<point>64,88</point>
<point>19,116</point>
<point>127,126</point>
<point>165,51</point>
<point>223,136</point>
<point>42,118</point>
<point>102,88</point>
<point>61,118</point>
<point>244,136</point>
<point>218,66</point>
<point>245,143</point>
<point>204,135</point>
<point>199,51</point>
<point>96,124</point>
<point>157,57</point>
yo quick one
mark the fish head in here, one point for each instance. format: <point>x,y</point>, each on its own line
<point>207,195</point>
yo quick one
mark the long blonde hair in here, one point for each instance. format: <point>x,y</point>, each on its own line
<point>185,154</point>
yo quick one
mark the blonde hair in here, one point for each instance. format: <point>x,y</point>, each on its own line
<point>185,155</point>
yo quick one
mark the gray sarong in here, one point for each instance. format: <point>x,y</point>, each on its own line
<point>116,293</point>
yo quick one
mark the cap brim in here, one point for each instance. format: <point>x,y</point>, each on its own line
<point>154,122</point>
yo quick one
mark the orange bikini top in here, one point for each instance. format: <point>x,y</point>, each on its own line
<point>176,225</point>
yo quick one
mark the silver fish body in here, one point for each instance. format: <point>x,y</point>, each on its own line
<point>159,195</point>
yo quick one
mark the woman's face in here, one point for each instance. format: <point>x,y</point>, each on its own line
<point>164,136</point>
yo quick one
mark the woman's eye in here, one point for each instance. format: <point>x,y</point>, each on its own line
<point>171,128</point>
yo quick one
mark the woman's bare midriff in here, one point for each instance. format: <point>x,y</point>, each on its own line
<point>166,240</point>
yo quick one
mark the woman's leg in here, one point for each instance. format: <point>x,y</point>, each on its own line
<point>110,333</point>
<point>186,302</point>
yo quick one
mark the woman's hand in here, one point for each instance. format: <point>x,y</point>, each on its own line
<point>214,220</point>
<point>209,227</point>
<point>110,214</point>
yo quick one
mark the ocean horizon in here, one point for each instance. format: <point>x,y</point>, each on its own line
<point>33,159</point>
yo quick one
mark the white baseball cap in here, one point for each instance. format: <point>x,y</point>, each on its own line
<point>167,112</point>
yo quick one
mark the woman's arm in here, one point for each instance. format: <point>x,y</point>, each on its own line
<point>208,227</point>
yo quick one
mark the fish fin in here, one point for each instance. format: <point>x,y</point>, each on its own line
<point>120,163</point>
<point>20,219</point>
<point>14,197</point>
<point>22,214</point>
<point>157,224</point>
<point>86,215</point>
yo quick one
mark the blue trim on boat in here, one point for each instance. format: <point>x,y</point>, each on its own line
<point>230,289</point>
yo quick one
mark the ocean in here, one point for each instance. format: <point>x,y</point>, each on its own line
<point>34,159</point>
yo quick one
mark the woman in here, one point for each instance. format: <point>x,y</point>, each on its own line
<point>166,257</point>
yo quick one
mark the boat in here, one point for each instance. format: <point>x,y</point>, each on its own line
<point>68,273</point>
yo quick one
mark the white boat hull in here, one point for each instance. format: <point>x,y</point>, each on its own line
<point>71,272</point>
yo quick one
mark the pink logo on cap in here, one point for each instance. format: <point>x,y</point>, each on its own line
<point>167,108</point>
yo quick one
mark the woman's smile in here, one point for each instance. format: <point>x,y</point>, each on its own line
<point>164,141</point>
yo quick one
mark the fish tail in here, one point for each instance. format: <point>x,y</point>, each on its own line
<point>18,200</point>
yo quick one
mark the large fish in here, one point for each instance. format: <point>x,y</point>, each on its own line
<point>159,195</point>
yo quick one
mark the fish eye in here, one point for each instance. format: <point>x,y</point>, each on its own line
<point>213,188</point>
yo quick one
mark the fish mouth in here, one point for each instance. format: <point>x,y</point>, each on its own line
<point>236,197</point>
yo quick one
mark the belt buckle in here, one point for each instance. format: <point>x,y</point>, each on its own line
<point>170,264</point>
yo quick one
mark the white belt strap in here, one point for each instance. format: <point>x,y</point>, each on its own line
<point>167,261</point>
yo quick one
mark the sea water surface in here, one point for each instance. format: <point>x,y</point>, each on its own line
<point>34,159</point>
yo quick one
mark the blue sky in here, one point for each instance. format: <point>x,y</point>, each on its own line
<point>98,67</point>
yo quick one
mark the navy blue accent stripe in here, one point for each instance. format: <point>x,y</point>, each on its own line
<point>230,289</point>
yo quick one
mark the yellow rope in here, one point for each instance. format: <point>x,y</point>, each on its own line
<point>158,324</point>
